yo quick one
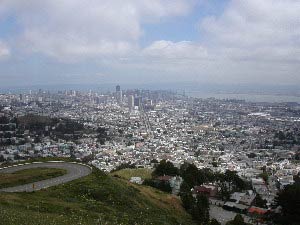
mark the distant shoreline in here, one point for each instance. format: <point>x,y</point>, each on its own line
<point>249,97</point>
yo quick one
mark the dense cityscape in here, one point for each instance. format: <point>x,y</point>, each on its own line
<point>260,142</point>
<point>161,112</point>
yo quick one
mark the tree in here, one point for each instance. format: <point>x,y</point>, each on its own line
<point>154,161</point>
<point>200,211</point>
<point>165,168</point>
<point>214,222</point>
<point>188,201</point>
<point>234,181</point>
<point>198,208</point>
<point>280,135</point>
<point>224,192</point>
<point>289,200</point>
<point>189,173</point>
<point>215,164</point>
<point>164,186</point>
<point>2,158</point>
<point>259,202</point>
<point>185,187</point>
<point>297,179</point>
<point>238,220</point>
<point>264,176</point>
<point>207,175</point>
<point>251,155</point>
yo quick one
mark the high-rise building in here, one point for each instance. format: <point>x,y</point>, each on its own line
<point>137,101</point>
<point>119,95</point>
<point>130,101</point>
<point>118,88</point>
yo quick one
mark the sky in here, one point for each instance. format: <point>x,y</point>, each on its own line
<point>142,41</point>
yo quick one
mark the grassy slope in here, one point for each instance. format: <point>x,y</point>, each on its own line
<point>95,199</point>
<point>29,176</point>
<point>128,173</point>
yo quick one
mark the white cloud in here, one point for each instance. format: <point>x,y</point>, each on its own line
<point>4,50</point>
<point>250,39</point>
<point>256,30</point>
<point>182,50</point>
<point>79,28</point>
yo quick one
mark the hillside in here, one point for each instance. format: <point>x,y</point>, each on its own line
<point>95,199</point>
<point>29,176</point>
<point>128,173</point>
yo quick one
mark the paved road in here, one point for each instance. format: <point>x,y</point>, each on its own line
<point>74,171</point>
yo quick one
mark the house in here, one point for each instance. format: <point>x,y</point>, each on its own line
<point>248,198</point>
<point>257,210</point>
<point>136,180</point>
<point>175,183</point>
<point>240,201</point>
<point>208,190</point>
<point>232,206</point>
<point>164,178</point>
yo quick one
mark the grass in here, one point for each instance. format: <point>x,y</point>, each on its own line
<point>38,159</point>
<point>96,199</point>
<point>29,176</point>
<point>128,173</point>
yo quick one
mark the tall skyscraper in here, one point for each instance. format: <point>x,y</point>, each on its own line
<point>137,101</point>
<point>118,88</point>
<point>119,96</point>
<point>131,101</point>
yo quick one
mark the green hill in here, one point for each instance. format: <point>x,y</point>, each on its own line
<point>128,173</point>
<point>95,199</point>
<point>29,176</point>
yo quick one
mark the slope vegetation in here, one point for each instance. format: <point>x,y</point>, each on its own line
<point>95,199</point>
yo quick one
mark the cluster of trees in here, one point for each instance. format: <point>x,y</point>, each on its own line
<point>259,202</point>
<point>238,220</point>
<point>124,166</point>
<point>161,185</point>
<point>2,159</point>
<point>4,120</point>
<point>162,168</point>
<point>37,124</point>
<point>287,137</point>
<point>198,207</point>
<point>192,176</point>
<point>102,135</point>
<point>289,200</point>
<point>228,182</point>
<point>165,168</point>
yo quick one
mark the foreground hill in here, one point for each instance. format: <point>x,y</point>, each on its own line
<point>95,199</point>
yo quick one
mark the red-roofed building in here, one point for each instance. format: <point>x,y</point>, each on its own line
<point>165,178</point>
<point>257,210</point>
<point>208,190</point>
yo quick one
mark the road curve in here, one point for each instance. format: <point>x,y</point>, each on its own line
<point>74,171</point>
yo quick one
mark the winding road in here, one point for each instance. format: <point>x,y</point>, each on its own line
<point>74,171</point>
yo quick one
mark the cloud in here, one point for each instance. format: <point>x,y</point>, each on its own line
<point>245,41</point>
<point>250,41</point>
<point>4,50</point>
<point>182,50</point>
<point>79,29</point>
<point>256,30</point>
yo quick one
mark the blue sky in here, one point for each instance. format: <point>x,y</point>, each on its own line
<point>157,41</point>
